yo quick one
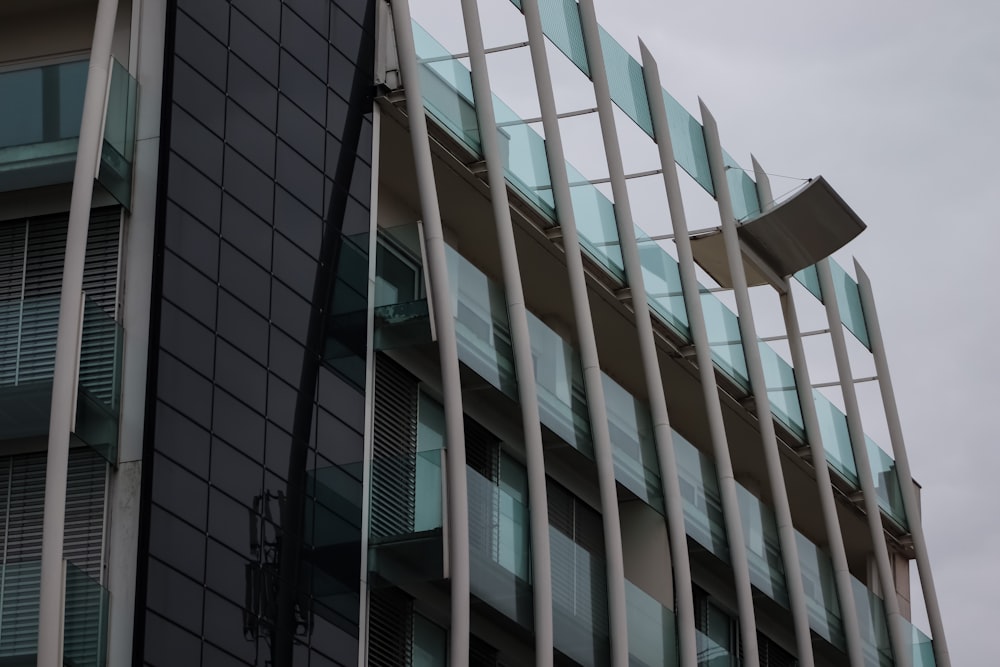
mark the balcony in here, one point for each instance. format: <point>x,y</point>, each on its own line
<point>85,616</point>
<point>27,359</point>
<point>40,113</point>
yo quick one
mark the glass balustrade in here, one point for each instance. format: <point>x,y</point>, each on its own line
<point>651,630</point>
<point>28,330</point>
<point>85,615</point>
<point>703,517</point>
<point>41,109</point>
<point>921,647</point>
<point>822,603</point>
<point>760,535</point>
<point>872,626</point>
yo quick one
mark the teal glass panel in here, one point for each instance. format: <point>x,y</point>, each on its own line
<point>741,188</point>
<point>651,630</point>
<point>562,399</point>
<point>760,534</point>
<point>524,158</point>
<point>561,24</point>
<point>921,647</point>
<point>579,601</point>
<point>118,148</point>
<point>447,89</point>
<point>430,643</point>
<point>809,278</point>
<point>890,496</point>
<point>40,113</point>
<point>662,279</point>
<point>85,620</point>
<point>481,323</point>
<point>714,637</point>
<point>702,501</point>
<point>781,392</point>
<point>688,139</point>
<point>595,223</point>
<point>625,82</point>
<point>822,602</point>
<point>347,321</point>
<point>724,338</point>
<point>27,359</point>
<point>633,448</point>
<point>849,303</point>
<point>499,541</point>
<point>401,316</point>
<point>872,626</point>
<point>427,512</point>
<point>19,593</point>
<point>836,439</point>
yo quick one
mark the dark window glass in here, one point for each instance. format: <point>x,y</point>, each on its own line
<point>341,74</point>
<point>337,441</point>
<point>302,87</point>
<point>189,341</point>
<point>254,141</point>
<point>336,113</point>
<point>300,132</point>
<point>294,267</point>
<point>229,521</point>
<point>252,91</point>
<point>224,624</point>
<point>196,144</point>
<point>179,491</point>
<point>199,97</point>
<point>356,217</point>
<point>302,41</point>
<point>241,376</point>
<point>226,571</point>
<point>212,16</point>
<point>234,473</point>
<point>177,543</point>
<point>194,192</point>
<point>189,289</point>
<point>361,183</point>
<point>281,398</point>
<point>168,645</point>
<point>238,425</point>
<point>293,219</point>
<point>356,9</point>
<point>193,43</point>
<point>183,389</point>
<point>242,327</point>
<point>196,243</point>
<point>246,231</point>
<point>254,46</point>
<point>246,280</point>
<point>345,34</point>
<point>290,312</point>
<point>342,399</point>
<point>314,12</point>
<point>182,440</point>
<point>265,13</point>
<point>300,178</point>
<point>216,657</point>
<point>285,358</point>
<point>279,443</point>
<point>174,595</point>
<point>248,184</point>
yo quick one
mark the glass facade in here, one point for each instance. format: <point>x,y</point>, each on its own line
<point>253,468</point>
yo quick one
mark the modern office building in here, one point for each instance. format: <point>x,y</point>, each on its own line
<point>301,366</point>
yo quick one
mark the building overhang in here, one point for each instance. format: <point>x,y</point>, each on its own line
<point>810,225</point>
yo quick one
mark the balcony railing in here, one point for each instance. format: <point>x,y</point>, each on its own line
<point>85,616</point>
<point>40,113</point>
<point>27,358</point>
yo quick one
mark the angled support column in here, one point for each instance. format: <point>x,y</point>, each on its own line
<point>64,377</point>
<point>758,384</point>
<point>900,644</point>
<point>827,503</point>
<point>703,354</point>
<point>910,503</point>
<point>458,494</point>
<point>541,563</point>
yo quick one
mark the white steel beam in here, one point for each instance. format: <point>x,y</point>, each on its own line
<point>814,437</point>
<point>758,384</point>
<point>64,377</point>
<point>541,564</point>
<point>910,502</point>
<point>437,267</point>
<point>900,644</point>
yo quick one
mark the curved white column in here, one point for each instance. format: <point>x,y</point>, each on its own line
<point>758,384</point>
<point>541,563</point>
<point>900,644</point>
<point>437,269</point>
<point>910,502</point>
<point>827,503</point>
<point>703,354</point>
<point>64,377</point>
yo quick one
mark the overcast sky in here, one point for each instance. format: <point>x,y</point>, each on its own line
<point>897,105</point>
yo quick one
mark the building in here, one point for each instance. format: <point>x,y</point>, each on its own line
<point>255,296</point>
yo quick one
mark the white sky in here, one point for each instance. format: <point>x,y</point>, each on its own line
<point>897,105</point>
